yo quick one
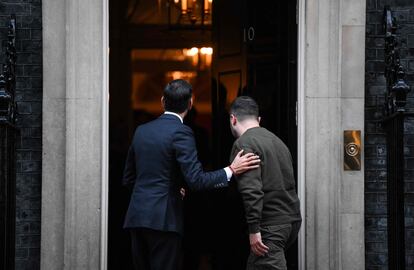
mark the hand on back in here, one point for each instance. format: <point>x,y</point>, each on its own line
<point>243,163</point>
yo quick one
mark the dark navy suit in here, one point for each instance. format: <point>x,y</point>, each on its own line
<point>162,156</point>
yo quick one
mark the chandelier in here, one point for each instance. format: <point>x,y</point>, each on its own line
<point>174,13</point>
<point>192,12</point>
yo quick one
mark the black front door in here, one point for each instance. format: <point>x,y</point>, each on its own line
<point>255,54</point>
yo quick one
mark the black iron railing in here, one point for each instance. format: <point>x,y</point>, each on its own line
<point>395,115</point>
<point>7,152</point>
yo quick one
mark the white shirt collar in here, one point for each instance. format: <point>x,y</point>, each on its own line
<point>176,114</point>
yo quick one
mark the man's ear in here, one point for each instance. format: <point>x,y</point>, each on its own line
<point>190,105</point>
<point>233,119</point>
<point>163,102</point>
<point>259,119</point>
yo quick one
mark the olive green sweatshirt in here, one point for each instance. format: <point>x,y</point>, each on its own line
<point>268,193</point>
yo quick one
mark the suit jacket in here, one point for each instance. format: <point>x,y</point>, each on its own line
<point>161,157</point>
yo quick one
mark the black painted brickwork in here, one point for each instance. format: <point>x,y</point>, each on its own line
<point>29,141</point>
<point>375,141</point>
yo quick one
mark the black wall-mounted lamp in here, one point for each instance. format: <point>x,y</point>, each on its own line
<point>5,101</point>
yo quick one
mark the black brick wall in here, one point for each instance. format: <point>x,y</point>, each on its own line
<point>29,141</point>
<point>375,141</point>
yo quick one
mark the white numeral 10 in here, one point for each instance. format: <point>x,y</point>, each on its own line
<point>248,35</point>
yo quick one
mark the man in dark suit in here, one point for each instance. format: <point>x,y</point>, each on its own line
<point>272,206</point>
<point>162,156</point>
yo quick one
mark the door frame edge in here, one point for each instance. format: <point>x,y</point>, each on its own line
<point>105,138</point>
<point>301,16</point>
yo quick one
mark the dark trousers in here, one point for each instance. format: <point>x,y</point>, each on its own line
<point>278,238</point>
<point>155,250</point>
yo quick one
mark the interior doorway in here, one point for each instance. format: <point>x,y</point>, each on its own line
<point>225,48</point>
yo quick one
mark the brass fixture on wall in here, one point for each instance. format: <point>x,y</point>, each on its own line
<point>352,150</point>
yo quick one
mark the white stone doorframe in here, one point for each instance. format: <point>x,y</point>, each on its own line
<point>75,134</point>
<point>301,137</point>
<point>105,141</point>
<point>301,140</point>
<point>331,38</point>
<point>301,131</point>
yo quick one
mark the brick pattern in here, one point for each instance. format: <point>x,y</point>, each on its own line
<point>29,141</point>
<point>375,140</point>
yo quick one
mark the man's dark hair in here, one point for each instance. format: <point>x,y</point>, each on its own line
<point>244,107</point>
<point>177,95</point>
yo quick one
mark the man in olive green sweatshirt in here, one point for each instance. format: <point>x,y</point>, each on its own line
<point>271,204</point>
